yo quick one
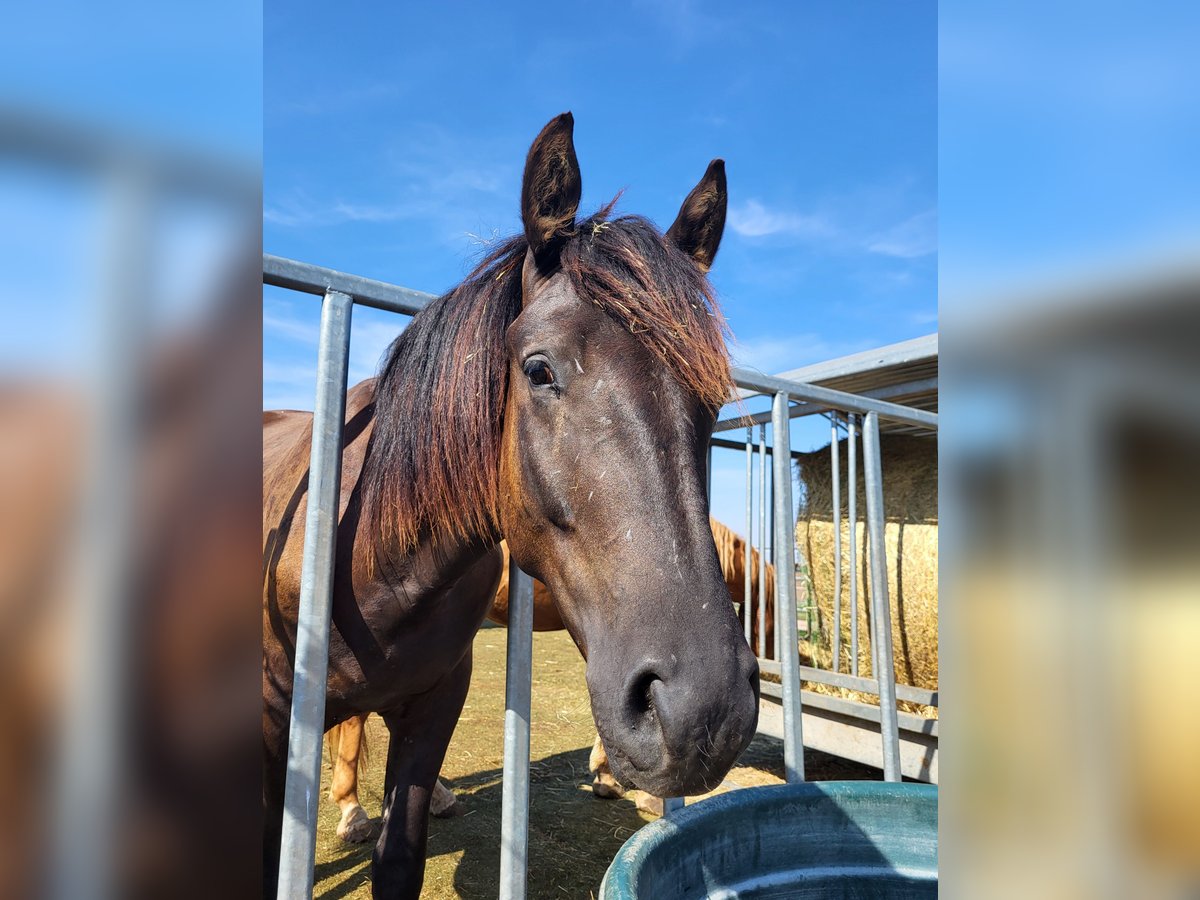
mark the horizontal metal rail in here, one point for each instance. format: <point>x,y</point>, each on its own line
<point>800,410</point>
<point>907,692</point>
<point>739,446</point>
<point>868,712</point>
<point>310,279</point>
<point>96,147</point>
<point>811,393</point>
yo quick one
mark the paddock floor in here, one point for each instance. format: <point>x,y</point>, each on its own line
<point>572,835</point>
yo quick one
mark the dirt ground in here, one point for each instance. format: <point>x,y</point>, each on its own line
<point>572,835</point>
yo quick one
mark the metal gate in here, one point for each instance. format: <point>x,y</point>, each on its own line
<point>340,292</point>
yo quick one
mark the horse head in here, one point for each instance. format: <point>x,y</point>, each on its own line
<point>616,370</point>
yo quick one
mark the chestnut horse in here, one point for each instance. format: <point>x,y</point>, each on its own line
<point>347,741</point>
<point>560,398</point>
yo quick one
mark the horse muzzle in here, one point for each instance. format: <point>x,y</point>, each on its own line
<point>674,724</point>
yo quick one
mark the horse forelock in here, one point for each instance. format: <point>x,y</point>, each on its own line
<point>433,465</point>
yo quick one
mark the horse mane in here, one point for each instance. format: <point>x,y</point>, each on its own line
<point>433,465</point>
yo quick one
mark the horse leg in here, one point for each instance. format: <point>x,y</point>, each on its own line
<point>420,734</point>
<point>443,805</point>
<point>604,785</point>
<point>354,826</point>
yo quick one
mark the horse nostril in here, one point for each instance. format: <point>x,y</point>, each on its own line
<point>639,696</point>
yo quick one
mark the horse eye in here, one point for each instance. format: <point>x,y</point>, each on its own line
<point>539,373</point>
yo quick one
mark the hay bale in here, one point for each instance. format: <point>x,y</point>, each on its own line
<point>911,542</point>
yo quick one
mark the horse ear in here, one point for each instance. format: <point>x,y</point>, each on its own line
<point>550,190</point>
<point>701,221</point>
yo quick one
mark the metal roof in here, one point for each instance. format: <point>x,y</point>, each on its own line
<point>905,373</point>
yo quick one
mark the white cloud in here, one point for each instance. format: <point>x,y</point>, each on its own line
<point>752,219</point>
<point>914,237</point>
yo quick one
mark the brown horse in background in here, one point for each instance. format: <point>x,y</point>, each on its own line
<point>561,398</point>
<point>350,737</point>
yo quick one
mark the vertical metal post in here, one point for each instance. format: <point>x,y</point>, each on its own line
<point>852,500</point>
<point>302,790</point>
<point>770,533</point>
<point>881,615</point>
<point>762,540</point>
<point>837,542</point>
<point>708,493</point>
<point>89,769</point>
<point>785,589</point>
<point>514,815</point>
<point>749,532</point>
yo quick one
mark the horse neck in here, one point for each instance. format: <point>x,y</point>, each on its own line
<point>433,564</point>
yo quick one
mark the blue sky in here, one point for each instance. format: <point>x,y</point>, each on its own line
<point>394,139</point>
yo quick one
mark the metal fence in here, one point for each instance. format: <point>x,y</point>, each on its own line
<point>853,415</point>
<point>340,292</point>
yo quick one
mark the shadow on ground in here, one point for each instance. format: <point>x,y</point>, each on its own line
<point>573,836</point>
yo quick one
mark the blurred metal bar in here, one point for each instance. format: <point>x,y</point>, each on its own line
<point>852,501</point>
<point>749,532</point>
<point>100,148</point>
<point>673,804</point>
<point>835,463</point>
<point>785,589</point>
<point>298,848</point>
<point>89,771</point>
<point>514,815</point>
<point>881,617</point>
<point>762,540</point>
<point>810,393</point>
<point>310,279</point>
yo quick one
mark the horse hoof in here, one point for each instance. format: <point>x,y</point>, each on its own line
<point>355,827</point>
<point>443,804</point>
<point>649,804</point>
<point>607,790</point>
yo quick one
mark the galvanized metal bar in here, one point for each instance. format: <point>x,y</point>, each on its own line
<point>762,540</point>
<point>835,463</point>
<point>737,445</point>
<point>749,533</point>
<point>923,696</point>
<point>785,593</point>
<point>303,785</point>
<point>310,279</point>
<point>800,410</point>
<point>514,814</point>
<point>100,605</point>
<point>810,393</point>
<point>95,149</point>
<point>770,502</point>
<point>708,490</point>
<point>852,502</point>
<point>881,617</point>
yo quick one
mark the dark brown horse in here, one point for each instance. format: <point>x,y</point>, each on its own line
<point>560,398</point>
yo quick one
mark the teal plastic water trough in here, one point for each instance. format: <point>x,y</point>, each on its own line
<point>833,839</point>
